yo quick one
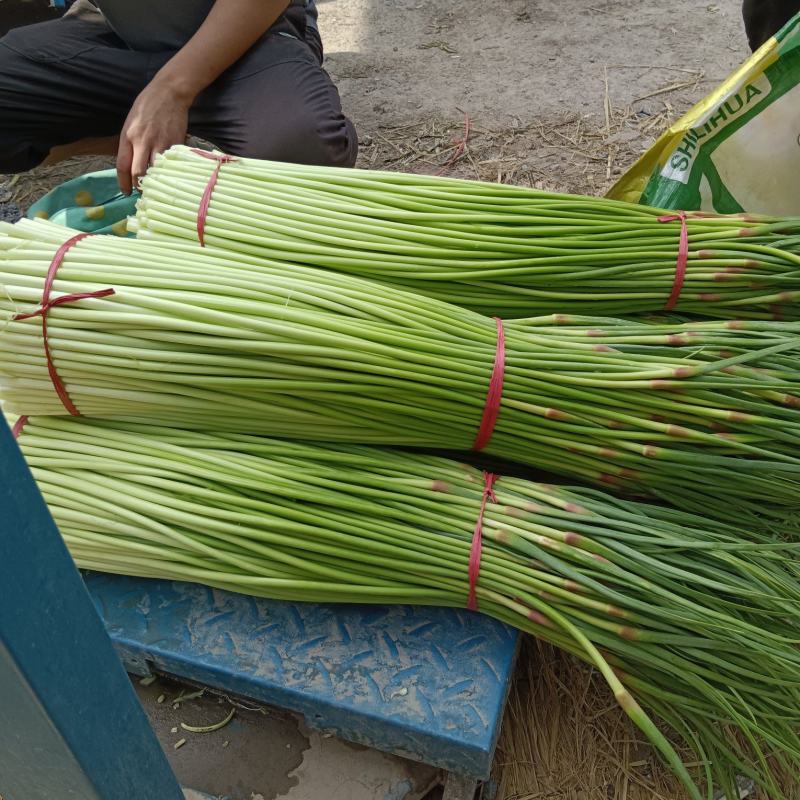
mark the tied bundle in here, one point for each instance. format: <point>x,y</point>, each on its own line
<point>690,625</point>
<point>706,415</point>
<point>497,249</point>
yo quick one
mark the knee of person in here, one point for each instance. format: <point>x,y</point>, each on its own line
<point>16,156</point>
<point>764,18</point>
<point>307,139</point>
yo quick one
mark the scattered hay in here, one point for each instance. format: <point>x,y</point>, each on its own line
<point>565,738</point>
<point>27,187</point>
<point>572,152</point>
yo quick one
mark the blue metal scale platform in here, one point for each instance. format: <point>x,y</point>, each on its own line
<point>426,683</point>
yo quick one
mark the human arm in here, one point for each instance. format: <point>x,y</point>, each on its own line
<point>159,116</point>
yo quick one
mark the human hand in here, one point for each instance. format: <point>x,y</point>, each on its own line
<point>158,119</point>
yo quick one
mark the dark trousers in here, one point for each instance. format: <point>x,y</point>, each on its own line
<point>764,18</point>
<point>73,78</point>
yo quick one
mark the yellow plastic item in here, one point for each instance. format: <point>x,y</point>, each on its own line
<point>738,149</point>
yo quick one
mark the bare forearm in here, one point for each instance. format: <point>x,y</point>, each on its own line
<point>160,116</point>
<point>230,30</point>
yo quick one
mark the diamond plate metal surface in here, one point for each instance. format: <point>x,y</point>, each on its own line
<point>426,683</point>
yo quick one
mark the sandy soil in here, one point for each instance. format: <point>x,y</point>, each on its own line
<point>560,93</point>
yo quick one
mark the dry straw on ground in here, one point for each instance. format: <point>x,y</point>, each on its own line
<point>565,738</point>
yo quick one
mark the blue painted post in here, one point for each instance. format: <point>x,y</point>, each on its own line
<point>71,726</point>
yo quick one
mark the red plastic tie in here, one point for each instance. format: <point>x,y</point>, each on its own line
<point>47,304</point>
<point>683,258</point>
<point>495,393</point>
<point>18,426</point>
<point>202,211</point>
<point>489,479</point>
<point>461,147</point>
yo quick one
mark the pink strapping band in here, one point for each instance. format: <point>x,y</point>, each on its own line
<point>489,479</point>
<point>461,147</point>
<point>495,393</point>
<point>47,304</point>
<point>18,426</point>
<point>683,258</point>
<point>202,211</point>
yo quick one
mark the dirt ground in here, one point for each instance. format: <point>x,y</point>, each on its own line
<point>560,93</point>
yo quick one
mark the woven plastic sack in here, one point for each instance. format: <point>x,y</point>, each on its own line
<point>736,150</point>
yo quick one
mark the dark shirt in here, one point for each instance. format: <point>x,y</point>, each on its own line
<point>157,25</point>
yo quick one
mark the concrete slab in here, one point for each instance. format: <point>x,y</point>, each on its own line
<point>336,770</point>
<point>269,754</point>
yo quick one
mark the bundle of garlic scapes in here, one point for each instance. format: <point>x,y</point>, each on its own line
<point>705,415</point>
<point>498,249</point>
<point>687,622</point>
